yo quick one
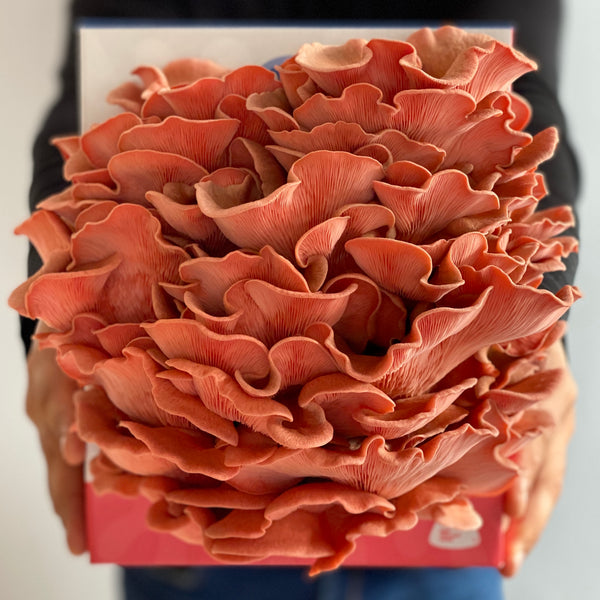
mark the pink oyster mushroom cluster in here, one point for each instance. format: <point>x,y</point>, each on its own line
<point>304,308</point>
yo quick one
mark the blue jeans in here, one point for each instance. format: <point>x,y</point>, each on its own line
<point>291,583</point>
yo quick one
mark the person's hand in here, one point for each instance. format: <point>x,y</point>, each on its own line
<point>529,503</point>
<point>50,407</point>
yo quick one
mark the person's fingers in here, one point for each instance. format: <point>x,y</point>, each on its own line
<point>65,483</point>
<point>531,499</point>
<point>531,460</point>
<point>50,407</point>
<point>516,498</point>
<point>524,532</point>
<point>72,449</point>
<point>49,402</point>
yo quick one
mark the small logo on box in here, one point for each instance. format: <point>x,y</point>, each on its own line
<point>447,538</point>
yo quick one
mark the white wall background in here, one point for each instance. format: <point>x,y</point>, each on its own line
<point>34,562</point>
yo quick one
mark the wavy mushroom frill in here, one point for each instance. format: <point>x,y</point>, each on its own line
<point>130,95</point>
<point>438,129</point>
<point>114,265</point>
<point>307,309</point>
<point>381,99</point>
<point>318,185</point>
<point>125,160</point>
<point>213,94</point>
<point>447,58</point>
